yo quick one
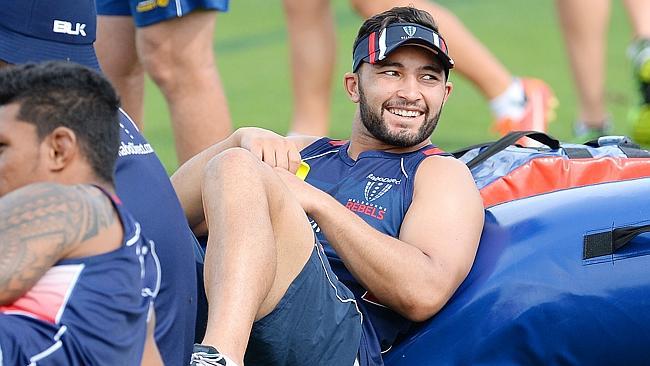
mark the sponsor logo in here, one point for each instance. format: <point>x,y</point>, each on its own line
<point>409,30</point>
<point>134,149</point>
<point>366,208</point>
<point>61,26</point>
<point>378,186</point>
<point>374,178</point>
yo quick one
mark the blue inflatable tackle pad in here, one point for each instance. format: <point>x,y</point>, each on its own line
<point>550,286</point>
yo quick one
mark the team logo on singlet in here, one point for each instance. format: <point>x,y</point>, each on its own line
<point>366,208</point>
<point>378,186</point>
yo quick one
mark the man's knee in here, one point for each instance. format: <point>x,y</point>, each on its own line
<point>234,162</point>
<point>178,51</point>
<point>156,56</point>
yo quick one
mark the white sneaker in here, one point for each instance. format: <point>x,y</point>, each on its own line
<point>209,356</point>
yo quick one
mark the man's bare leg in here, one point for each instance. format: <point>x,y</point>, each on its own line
<point>473,60</point>
<point>584,24</point>
<point>260,240</point>
<point>313,56</point>
<point>517,104</point>
<point>178,55</point>
<point>639,13</point>
<point>639,53</point>
<point>116,51</point>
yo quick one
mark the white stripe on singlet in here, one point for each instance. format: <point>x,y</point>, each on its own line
<point>319,155</point>
<point>58,344</point>
<point>79,267</point>
<point>130,119</point>
<point>136,236</point>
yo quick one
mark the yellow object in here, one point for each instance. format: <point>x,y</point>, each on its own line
<point>303,170</point>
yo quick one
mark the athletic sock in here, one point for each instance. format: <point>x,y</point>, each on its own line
<point>511,103</point>
<point>580,128</point>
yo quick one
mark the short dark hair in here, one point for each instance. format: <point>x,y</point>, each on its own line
<point>58,93</point>
<point>398,14</point>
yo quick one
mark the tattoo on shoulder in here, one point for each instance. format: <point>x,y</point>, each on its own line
<point>40,223</point>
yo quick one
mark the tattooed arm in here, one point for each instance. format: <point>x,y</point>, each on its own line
<point>43,223</point>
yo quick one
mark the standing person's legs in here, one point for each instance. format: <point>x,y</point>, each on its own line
<point>472,59</point>
<point>178,55</point>
<point>584,24</point>
<point>639,14</point>
<point>260,242</point>
<point>115,47</point>
<point>517,104</point>
<point>312,42</point>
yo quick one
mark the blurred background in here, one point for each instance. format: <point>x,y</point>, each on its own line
<point>253,57</point>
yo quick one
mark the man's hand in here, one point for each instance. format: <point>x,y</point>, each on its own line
<point>275,150</point>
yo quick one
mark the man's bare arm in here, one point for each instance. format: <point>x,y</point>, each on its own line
<point>271,148</point>
<point>416,273</point>
<point>151,354</point>
<point>41,224</point>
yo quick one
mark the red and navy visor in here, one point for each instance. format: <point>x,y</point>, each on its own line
<point>377,45</point>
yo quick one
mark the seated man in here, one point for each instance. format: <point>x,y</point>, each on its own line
<point>77,280</point>
<point>397,221</point>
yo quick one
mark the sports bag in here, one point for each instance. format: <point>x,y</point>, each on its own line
<point>504,172</point>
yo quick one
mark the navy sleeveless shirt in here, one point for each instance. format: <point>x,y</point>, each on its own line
<point>378,187</point>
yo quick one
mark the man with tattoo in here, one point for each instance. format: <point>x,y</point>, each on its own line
<point>54,32</point>
<point>77,280</point>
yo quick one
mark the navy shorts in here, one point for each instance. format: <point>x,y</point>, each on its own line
<point>317,322</point>
<point>148,12</point>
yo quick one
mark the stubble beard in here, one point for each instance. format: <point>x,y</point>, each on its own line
<point>377,127</point>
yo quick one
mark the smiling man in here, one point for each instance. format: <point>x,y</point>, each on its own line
<point>396,221</point>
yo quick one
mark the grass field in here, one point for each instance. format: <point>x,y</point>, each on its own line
<point>251,44</point>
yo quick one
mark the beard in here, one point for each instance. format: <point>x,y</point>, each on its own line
<point>377,127</point>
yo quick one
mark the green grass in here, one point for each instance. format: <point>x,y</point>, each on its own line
<point>252,53</point>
